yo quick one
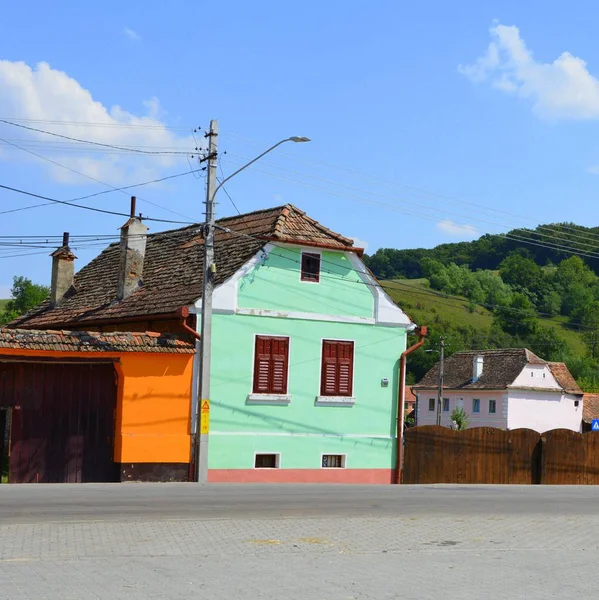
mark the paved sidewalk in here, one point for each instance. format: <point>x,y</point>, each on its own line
<point>406,556</point>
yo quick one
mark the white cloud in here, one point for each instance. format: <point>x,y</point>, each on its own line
<point>5,292</point>
<point>448,227</point>
<point>42,94</point>
<point>358,243</point>
<point>562,89</point>
<point>132,34</point>
<point>593,169</point>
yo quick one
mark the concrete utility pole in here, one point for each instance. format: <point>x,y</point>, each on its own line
<point>202,423</point>
<point>203,407</point>
<point>441,366</point>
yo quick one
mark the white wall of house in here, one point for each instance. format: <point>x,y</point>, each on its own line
<point>536,376</point>
<point>543,411</point>
<point>466,399</point>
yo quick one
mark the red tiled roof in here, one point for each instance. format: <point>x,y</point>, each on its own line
<point>173,268</point>
<point>409,395</point>
<point>564,378</point>
<point>590,407</point>
<point>86,341</point>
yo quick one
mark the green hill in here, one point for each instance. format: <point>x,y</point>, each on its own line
<point>434,309</point>
<point>3,304</point>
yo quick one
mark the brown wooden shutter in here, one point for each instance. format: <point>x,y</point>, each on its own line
<point>271,358</point>
<point>279,357</point>
<point>337,368</point>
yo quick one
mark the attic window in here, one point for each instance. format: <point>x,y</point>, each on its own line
<point>310,267</point>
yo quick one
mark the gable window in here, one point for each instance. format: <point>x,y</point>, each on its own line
<point>431,404</point>
<point>310,267</point>
<point>271,361</point>
<point>476,405</point>
<point>492,407</point>
<point>445,404</point>
<point>337,369</point>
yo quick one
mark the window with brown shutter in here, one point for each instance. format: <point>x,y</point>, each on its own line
<point>337,375</point>
<point>271,359</point>
<point>310,267</point>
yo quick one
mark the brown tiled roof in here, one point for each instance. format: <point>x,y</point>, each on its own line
<point>173,267</point>
<point>500,369</point>
<point>590,407</point>
<point>87,341</point>
<point>564,378</point>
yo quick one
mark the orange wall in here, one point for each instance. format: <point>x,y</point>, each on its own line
<point>153,406</point>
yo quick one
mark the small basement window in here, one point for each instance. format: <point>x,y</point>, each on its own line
<point>266,461</point>
<point>310,267</point>
<point>333,461</point>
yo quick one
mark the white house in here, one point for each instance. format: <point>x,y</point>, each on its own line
<point>508,389</point>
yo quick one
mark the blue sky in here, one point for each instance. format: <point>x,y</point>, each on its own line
<point>426,118</point>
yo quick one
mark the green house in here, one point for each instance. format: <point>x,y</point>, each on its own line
<point>306,345</point>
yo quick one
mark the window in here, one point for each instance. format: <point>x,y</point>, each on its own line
<point>492,407</point>
<point>271,360</point>
<point>476,405</point>
<point>333,461</point>
<point>445,404</point>
<point>266,461</point>
<point>406,405</point>
<point>337,373</point>
<point>431,404</point>
<point>310,267</point>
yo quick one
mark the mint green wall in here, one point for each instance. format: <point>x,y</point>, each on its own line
<point>377,351</point>
<point>276,285</point>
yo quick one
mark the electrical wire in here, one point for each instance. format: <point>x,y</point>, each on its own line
<point>92,208</point>
<point>40,156</point>
<point>398,185</point>
<point>66,137</point>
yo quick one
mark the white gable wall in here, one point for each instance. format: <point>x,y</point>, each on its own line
<point>536,376</point>
<point>543,411</point>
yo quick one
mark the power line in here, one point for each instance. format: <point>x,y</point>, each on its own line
<point>70,203</point>
<point>397,185</point>
<point>66,137</point>
<point>40,156</point>
<point>96,124</point>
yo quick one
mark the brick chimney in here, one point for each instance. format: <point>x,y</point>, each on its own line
<point>63,270</point>
<point>477,367</point>
<point>133,250</point>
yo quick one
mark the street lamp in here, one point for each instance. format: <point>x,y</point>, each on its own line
<point>203,403</point>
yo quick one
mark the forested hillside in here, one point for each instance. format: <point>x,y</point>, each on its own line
<point>496,292</point>
<point>546,244</point>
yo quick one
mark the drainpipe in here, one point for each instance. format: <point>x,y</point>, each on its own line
<point>183,313</point>
<point>422,332</point>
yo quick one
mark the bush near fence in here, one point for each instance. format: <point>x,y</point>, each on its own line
<point>434,454</point>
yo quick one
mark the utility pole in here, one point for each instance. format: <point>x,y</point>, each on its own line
<point>203,415</point>
<point>440,393</point>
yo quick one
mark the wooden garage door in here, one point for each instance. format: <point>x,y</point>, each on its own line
<point>63,420</point>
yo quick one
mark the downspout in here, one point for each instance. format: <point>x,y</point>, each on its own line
<point>183,312</point>
<point>401,394</point>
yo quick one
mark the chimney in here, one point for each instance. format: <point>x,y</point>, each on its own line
<point>63,270</point>
<point>133,250</point>
<point>477,367</point>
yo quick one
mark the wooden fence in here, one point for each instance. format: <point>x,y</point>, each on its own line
<point>436,454</point>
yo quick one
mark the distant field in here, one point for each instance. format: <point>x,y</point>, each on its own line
<point>415,297</point>
<point>3,304</point>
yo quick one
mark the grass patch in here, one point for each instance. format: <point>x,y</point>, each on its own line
<point>426,306</point>
<point>3,304</point>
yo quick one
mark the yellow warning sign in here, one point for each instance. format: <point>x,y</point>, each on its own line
<point>205,416</point>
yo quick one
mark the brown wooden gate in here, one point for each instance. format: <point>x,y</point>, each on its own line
<point>63,420</point>
<point>436,454</point>
<point>570,458</point>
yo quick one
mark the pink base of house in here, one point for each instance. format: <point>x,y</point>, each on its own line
<point>365,476</point>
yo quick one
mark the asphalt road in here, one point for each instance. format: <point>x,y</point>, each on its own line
<point>124,502</point>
